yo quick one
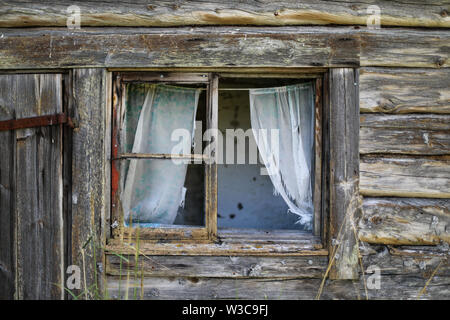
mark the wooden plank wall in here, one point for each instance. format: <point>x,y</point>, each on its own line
<point>31,215</point>
<point>405,155</point>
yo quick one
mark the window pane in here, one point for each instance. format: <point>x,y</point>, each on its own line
<point>160,118</point>
<point>162,193</point>
<point>247,196</point>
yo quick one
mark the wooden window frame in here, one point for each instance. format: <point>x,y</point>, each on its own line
<point>337,107</point>
<point>176,233</point>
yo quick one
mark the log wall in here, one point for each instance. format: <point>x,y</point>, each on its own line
<point>404,99</point>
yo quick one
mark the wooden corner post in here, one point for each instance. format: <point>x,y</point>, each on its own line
<point>344,172</point>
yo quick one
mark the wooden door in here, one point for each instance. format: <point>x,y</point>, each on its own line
<point>31,189</point>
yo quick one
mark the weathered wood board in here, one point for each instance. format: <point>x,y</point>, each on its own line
<point>405,48</point>
<point>344,171</point>
<point>218,266</point>
<point>223,47</point>
<point>181,47</point>
<point>405,90</point>
<point>392,287</point>
<point>175,13</point>
<point>35,209</point>
<point>7,193</point>
<point>406,221</point>
<point>404,272</point>
<point>396,176</point>
<point>415,134</point>
<point>89,192</point>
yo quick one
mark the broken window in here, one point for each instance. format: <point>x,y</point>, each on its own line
<point>195,157</point>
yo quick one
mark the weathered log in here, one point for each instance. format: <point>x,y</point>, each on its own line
<point>405,221</point>
<point>403,273</point>
<point>222,47</point>
<point>415,134</point>
<point>404,48</point>
<point>218,266</point>
<point>178,13</point>
<point>344,171</point>
<point>427,177</point>
<point>225,248</point>
<point>88,171</point>
<point>400,90</point>
<point>391,287</point>
<point>199,47</point>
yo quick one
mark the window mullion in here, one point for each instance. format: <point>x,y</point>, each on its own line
<point>212,119</point>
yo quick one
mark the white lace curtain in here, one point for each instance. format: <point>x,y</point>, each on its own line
<point>289,111</point>
<point>154,189</point>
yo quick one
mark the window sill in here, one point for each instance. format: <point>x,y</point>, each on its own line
<point>224,247</point>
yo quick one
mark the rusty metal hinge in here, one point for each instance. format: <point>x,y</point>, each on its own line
<point>41,121</point>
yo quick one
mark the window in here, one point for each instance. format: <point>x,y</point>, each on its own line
<point>203,156</point>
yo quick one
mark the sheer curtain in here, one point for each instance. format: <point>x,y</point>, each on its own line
<point>154,189</point>
<point>282,121</point>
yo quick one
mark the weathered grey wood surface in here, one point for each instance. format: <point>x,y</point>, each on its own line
<point>427,177</point>
<point>181,47</point>
<point>223,47</point>
<point>7,192</point>
<point>404,272</point>
<point>405,90</point>
<point>218,266</point>
<point>405,221</point>
<point>175,13</point>
<point>344,171</point>
<point>416,134</point>
<point>38,237</point>
<point>404,48</point>
<point>88,172</point>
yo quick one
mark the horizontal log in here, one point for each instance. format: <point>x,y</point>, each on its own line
<point>210,47</point>
<point>415,134</point>
<point>171,13</point>
<point>311,247</point>
<point>408,263</point>
<point>404,48</point>
<point>403,275</point>
<point>222,48</point>
<point>193,288</point>
<point>405,176</point>
<point>399,90</point>
<point>218,266</point>
<point>405,221</point>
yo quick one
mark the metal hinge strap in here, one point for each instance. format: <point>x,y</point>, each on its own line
<point>41,121</point>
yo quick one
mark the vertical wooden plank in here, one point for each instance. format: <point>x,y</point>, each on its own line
<point>325,159</point>
<point>317,157</point>
<point>67,173</point>
<point>7,191</point>
<point>118,93</point>
<point>344,171</point>
<point>88,174</point>
<point>212,119</point>
<point>38,197</point>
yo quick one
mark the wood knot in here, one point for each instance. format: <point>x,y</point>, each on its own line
<point>440,61</point>
<point>444,13</point>
<point>354,7</point>
<point>150,7</point>
<point>376,220</point>
<point>276,13</point>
